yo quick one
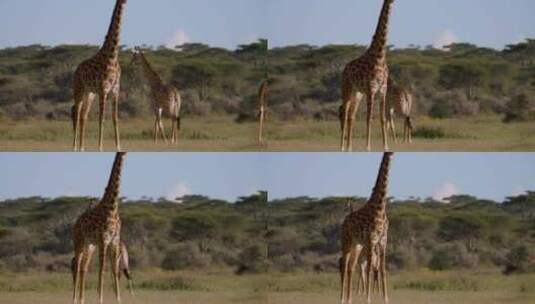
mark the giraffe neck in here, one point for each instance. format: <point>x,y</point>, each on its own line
<point>110,49</point>
<point>377,49</point>
<point>111,194</point>
<point>151,75</point>
<point>379,193</point>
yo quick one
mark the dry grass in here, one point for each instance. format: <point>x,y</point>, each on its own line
<point>222,287</point>
<point>220,133</point>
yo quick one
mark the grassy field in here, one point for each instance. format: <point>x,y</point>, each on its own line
<point>224,287</point>
<point>216,133</point>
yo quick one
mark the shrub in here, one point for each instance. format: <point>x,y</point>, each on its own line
<point>442,260</point>
<point>517,261</point>
<point>520,108</point>
<point>441,109</point>
<point>184,256</point>
<point>429,132</point>
<point>253,260</point>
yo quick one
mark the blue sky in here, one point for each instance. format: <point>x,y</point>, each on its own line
<point>226,23</point>
<point>493,23</point>
<point>155,22</point>
<point>229,175</point>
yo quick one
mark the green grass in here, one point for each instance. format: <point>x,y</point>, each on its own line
<point>485,286</point>
<point>220,133</point>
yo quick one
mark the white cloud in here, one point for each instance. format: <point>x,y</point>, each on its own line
<point>178,190</point>
<point>444,38</point>
<point>518,191</point>
<point>179,37</point>
<point>444,191</point>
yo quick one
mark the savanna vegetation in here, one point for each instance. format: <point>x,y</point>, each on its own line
<point>466,98</point>
<point>463,80</point>
<point>36,80</point>
<point>281,251</point>
<point>294,234</point>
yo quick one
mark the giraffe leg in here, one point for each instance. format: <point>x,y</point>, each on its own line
<point>382,269</point>
<point>103,248</point>
<point>76,110</point>
<point>392,126</point>
<point>76,276</point>
<point>362,278</point>
<point>368,272</point>
<point>408,123</point>
<point>86,107</point>
<point>115,262</point>
<point>369,116</point>
<point>352,263</point>
<point>355,102</point>
<point>345,262</point>
<point>84,270</point>
<point>156,130</point>
<point>382,109</point>
<point>160,125</point>
<point>261,125</point>
<point>162,131</point>
<point>354,259</point>
<point>115,115</point>
<point>103,97</point>
<point>345,123</point>
<point>173,130</point>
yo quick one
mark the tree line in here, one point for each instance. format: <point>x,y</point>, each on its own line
<point>254,235</point>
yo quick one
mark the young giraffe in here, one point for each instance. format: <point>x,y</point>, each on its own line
<point>399,101</point>
<point>165,98</point>
<point>366,76</point>
<point>99,75</point>
<point>362,231</point>
<point>99,227</point>
<point>262,108</point>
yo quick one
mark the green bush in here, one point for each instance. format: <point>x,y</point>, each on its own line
<point>520,108</point>
<point>429,132</point>
<point>442,260</point>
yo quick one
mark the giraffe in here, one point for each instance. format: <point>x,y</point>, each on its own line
<point>262,108</point>
<point>378,258</point>
<point>124,265</point>
<point>366,76</point>
<point>362,231</point>
<point>100,75</point>
<point>99,227</point>
<point>399,101</point>
<point>165,98</point>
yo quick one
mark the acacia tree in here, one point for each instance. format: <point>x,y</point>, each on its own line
<point>461,228</point>
<point>466,76</point>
